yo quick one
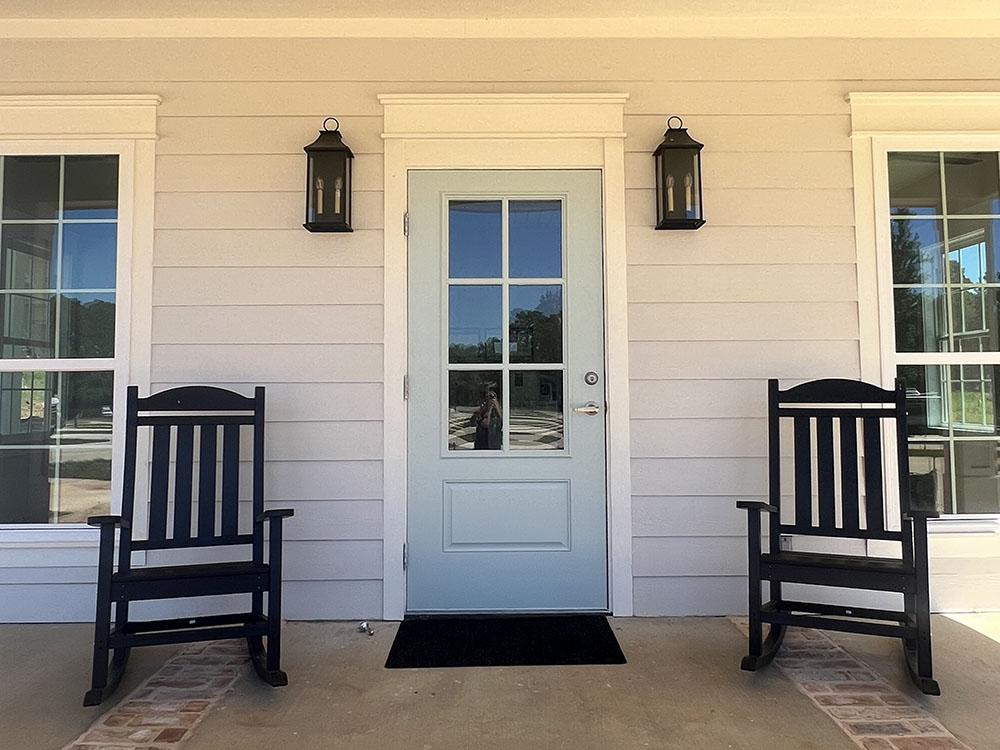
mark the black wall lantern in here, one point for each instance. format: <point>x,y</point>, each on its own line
<point>678,179</point>
<point>328,182</point>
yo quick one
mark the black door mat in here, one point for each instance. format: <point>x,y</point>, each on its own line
<point>504,641</point>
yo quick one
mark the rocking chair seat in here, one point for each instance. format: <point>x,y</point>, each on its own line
<point>169,572</point>
<point>853,563</point>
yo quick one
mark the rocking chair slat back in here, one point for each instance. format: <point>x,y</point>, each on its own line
<point>818,413</point>
<point>185,426</point>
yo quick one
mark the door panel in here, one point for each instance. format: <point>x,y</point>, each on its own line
<point>506,500</point>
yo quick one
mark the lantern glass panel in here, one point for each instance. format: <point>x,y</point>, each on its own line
<point>678,173</point>
<point>329,187</point>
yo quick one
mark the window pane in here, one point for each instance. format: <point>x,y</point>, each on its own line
<point>536,409</point>
<point>973,246</point>
<point>972,397</point>
<point>977,476</point>
<point>972,181</point>
<point>475,410</point>
<point>55,446</point>
<point>27,252</point>
<point>536,323</point>
<point>91,187</point>
<point>535,239</point>
<point>474,239</point>
<point>921,320</point>
<point>930,475</point>
<point>915,183</point>
<point>926,399</point>
<point>474,324</point>
<point>87,325</point>
<point>917,251</point>
<point>88,256</point>
<point>30,187</point>
<point>27,325</point>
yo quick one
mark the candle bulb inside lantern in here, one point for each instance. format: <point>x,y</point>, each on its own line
<point>319,195</point>
<point>670,193</point>
<point>337,185</point>
<point>687,192</point>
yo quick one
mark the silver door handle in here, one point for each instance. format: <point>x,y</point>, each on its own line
<point>590,408</point>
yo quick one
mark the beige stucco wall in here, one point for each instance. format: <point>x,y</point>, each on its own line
<point>242,295</point>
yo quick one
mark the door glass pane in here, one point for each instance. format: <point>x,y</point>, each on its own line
<point>536,409</point>
<point>91,187</point>
<point>27,255</point>
<point>921,320</point>
<point>917,251</point>
<point>474,239</point>
<point>930,475</point>
<point>88,256</point>
<point>475,410</point>
<point>535,239</point>
<point>30,187</point>
<point>536,323</point>
<point>474,323</point>
<point>972,181</point>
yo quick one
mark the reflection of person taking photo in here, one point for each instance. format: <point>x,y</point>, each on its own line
<point>488,421</point>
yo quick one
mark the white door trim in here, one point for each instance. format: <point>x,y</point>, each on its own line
<point>505,131</point>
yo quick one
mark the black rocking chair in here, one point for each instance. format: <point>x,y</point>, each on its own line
<point>174,416</point>
<point>848,403</point>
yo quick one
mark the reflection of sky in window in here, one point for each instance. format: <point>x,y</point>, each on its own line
<point>976,237</point>
<point>88,260</point>
<point>474,239</point>
<point>535,239</point>
<point>474,315</point>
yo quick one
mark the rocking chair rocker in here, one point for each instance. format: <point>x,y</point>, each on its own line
<point>179,412</point>
<point>848,402</point>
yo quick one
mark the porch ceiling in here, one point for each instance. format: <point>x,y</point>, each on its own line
<point>504,18</point>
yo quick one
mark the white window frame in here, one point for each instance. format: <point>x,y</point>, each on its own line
<point>892,122</point>
<point>125,126</point>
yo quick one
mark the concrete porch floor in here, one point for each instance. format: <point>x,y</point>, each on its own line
<point>682,688</point>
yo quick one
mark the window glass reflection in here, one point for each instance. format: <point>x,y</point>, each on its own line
<point>475,410</point>
<point>474,316</point>
<point>27,256</point>
<point>30,187</point>
<point>474,239</point>
<point>972,182</point>
<point>536,409</point>
<point>535,238</point>
<point>917,251</point>
<point>921,319</point>
<point>536,323</point>
<point>915,183</point>
<point>91,187</point>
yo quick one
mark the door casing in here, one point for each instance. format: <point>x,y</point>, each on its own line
<point>505,131</point>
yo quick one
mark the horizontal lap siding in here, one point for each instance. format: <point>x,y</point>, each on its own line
<point>244,296</point>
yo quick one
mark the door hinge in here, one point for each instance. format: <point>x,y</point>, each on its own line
<point>406,388</point>
<point>404,556</point>
<point>406,223</point>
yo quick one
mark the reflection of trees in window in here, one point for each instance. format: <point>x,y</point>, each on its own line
<point>908,258</point>
<point>487,350</point>
<point>536,335</point>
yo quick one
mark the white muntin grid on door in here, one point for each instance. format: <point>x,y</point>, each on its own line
<point>961,325</point>
<point>504,367</point>
<point>57,366</point>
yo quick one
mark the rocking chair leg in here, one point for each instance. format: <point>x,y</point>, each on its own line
<point>259,656</point>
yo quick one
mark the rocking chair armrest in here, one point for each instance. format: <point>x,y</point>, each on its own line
<point>99,521</point>
<point>275,514</point>
<point>757,505</point>
<point>919,513</point>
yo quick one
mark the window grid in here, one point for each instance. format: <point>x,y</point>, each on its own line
<point>504,366</point>
<point>947,363</point>
<point>52,380</point>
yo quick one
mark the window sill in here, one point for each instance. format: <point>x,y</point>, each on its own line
<point>965,524</point>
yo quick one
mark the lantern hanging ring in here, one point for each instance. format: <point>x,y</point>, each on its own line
<point>679,121</point>
<point>337,127</point>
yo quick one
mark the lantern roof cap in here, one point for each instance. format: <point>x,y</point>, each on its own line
<point>329,140</point>
<point>677,138</point>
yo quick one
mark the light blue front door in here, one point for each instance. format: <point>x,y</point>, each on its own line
<point>506,504</point>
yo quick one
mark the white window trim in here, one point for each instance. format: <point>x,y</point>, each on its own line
<point>124,125</point>
<point>905,121</point>
<point>505,131</point>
